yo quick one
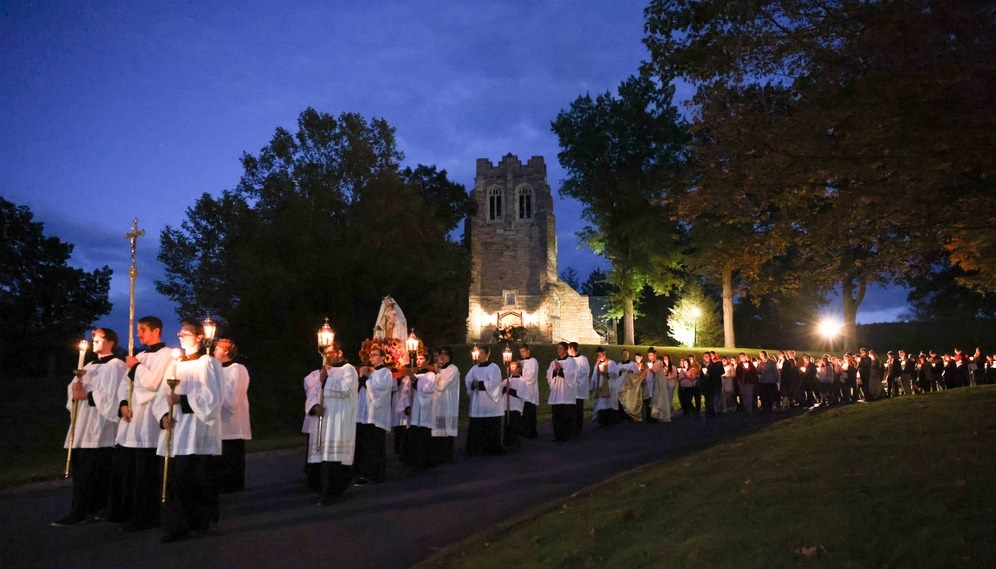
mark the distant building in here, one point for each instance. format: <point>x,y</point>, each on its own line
<point>515,286</point>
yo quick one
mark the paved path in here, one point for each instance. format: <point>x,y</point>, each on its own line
<point>275,523</point>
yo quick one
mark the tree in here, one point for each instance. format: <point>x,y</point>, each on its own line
<point>695,320</point>
<point>623,157</point>
<point>854,118</point>
<point>570,276</point>
<point>322,223</point>
<point>597,284</point>
<point>45,304</point>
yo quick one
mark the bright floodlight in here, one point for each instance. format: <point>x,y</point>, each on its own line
<point>830,328</point>
<point>695,312</point>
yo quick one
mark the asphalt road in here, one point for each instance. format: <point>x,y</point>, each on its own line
<point>275,522</point>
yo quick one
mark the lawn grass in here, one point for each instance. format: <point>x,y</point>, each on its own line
<point>905,482</point>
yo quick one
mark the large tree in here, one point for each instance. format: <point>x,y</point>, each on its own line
<point>44,303</point>
<point>858,119</point>
<point>623,156</point>
<point>324,222</point>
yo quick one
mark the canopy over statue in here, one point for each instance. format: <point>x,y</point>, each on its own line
<point>391,321</point>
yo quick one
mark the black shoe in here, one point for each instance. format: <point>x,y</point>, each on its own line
<point>69,521</point>
<point>361,482</point>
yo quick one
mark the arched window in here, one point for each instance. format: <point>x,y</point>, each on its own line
<point>525,198</point>
<point>494,203</point>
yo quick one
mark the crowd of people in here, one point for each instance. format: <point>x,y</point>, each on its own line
<point>155,437</point>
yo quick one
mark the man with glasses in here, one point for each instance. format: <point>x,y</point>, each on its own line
<point>193,413</point>
<point>373,420</point>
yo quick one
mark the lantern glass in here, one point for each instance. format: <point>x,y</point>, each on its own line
<point>209,329</point>
<point>326,336</point>
<point>506,355</point>
<point>475,352</point>
<point>412,342</point>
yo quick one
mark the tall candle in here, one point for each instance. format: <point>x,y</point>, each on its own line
<point>177,354</point>
<point>83,345</point>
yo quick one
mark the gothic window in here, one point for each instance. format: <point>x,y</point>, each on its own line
<point>494,203</point>
<point>525,197</point>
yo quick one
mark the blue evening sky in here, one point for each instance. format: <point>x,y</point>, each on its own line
<point>117,109</point>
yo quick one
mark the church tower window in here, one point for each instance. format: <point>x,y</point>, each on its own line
<point>525,195</point>
<point>494,203</point>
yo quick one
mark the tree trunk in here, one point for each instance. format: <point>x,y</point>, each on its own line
<point>728,339</point>
<point>852,295</point>
<point>627,321</point>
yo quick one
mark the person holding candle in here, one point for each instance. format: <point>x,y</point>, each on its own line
<point>95,398</point>
<point>135,486</point>
<point>193,413</point>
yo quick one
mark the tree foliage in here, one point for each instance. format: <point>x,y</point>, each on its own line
<point>866,124</point>
<point>322,223</point>
<point>623,157</point>
<point>44,303</point>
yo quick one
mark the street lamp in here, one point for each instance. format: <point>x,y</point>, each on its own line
<point>209,330</point>
<point>830,328</point>
<point>695,313</point>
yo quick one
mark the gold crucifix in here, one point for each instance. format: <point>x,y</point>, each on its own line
<point>132,236</point>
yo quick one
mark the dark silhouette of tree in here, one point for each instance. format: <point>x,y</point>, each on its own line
<point>45,305</point>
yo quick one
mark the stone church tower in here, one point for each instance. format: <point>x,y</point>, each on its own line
<point>513,243</point>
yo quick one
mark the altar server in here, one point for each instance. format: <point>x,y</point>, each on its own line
<point>96,397</point>
<point>333,397</point>
<point>562,377</point>
<point>487,406</point>
<point>191,496</point>
<point>373,420</point>
<point>236,428</point>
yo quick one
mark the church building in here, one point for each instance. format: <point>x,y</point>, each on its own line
<point>516,292</point>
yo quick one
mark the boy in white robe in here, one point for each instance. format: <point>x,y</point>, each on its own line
<point>333,398</point>
<point>193,414</point>
<point>422,419</point>
<point>529,393</point>
<point>95,396</point>
<point>484,383</point>
<point>236,428</point>
<point>139,471</point>
<point>562,377</point>
<point>445,408</point>
<point>373,420</point>
<point>583,371</point>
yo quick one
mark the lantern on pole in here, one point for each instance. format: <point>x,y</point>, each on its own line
<point>412,344</point>
<point>475,353</point>
<point>209,330</point>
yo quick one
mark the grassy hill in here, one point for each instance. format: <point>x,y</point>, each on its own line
<point>906,482</point>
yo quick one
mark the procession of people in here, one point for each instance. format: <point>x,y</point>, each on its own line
<point>156,436</point>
